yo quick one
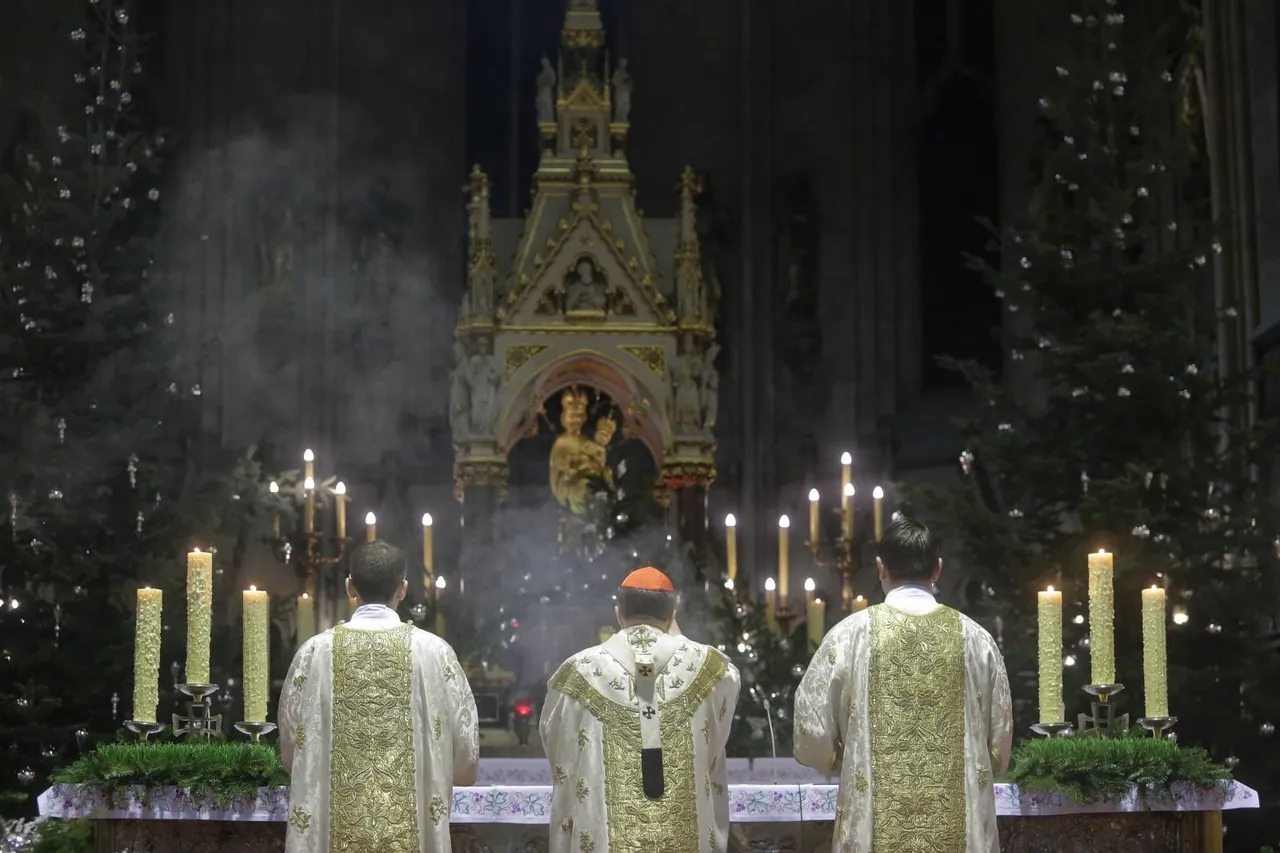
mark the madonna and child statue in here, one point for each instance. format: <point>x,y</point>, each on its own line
<point>580,475</point>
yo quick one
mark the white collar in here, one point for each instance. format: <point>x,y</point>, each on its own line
<point>911,599</point>
<point>373,617</point>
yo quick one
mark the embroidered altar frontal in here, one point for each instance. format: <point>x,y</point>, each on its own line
<point>509,813</point>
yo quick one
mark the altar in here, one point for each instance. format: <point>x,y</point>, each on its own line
<point>774,805</point>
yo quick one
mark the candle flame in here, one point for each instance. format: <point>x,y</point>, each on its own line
<point>370,518</point>
<point>309,484</point>
<point>1102,550</point>
<point>849,490</point>
<point>770,585</point>
<point>1050,588</point>
<point>877,493</point>
<point>813,496</point>
<point>859,598</point>
<point>846,458</point>
<point>1155,586</point>
<point>305,597</point>
<point>439,581</point>
<point>730,520</point>
<point>195,550</point>
<point>274,487</point>
<point>252,588</point>
<point>809,585</point>
<point>817,601</point>
<point>728,583</point>
<point>784,522</point>
<point>340,489</point>
<point>308,456</point>
<point>426,519</point>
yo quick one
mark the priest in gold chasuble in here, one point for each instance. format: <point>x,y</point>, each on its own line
<point>377,724</point>
<point>635,730</point>
<point>909,702</point>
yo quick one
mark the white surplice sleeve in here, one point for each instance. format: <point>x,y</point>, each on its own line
<point>821,703</point>
<point>466,724</point>
<point>290,711</point>
<point>1001,722</point>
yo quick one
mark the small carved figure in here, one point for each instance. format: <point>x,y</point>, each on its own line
<point>710,386</point>
<point>478,206</point>
<point>690,188</point>
<point>687,378</point>
<point>278,250</point>
<point>586,289</point>
<point>482,382</point>
<point>622,93</point>
<point>546,93</point>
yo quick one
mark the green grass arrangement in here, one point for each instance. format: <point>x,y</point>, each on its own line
<point>1092,769</point>
<point>220,770</point>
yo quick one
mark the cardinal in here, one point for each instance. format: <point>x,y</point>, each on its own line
<point>635,730</point>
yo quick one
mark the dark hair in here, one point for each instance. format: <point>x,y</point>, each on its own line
<point>649,605</point>
<point>908,551</point>
<point>377,569</point>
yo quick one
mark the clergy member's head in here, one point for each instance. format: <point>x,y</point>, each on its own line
<point>377,574</point>
<point>907,555</point>
<point>646,597</point>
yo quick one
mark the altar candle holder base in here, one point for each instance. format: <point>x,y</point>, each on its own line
<point>1103,720</point>
<point>255,731</point>
<point>1158,726</point>
<point>200,720</point>
<point>143,729</point>
<point>1052,729</point>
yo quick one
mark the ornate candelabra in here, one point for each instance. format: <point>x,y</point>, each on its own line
<point>846,551</point>
<point>200,720</point>
<point>307,550</point>
<point>1102,718</point>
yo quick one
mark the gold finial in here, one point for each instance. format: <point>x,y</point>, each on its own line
<point>479,185</point>
<point>690,183</point>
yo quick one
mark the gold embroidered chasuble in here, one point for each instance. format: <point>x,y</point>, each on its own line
<point>373,802</point>
<point>377,724</point>
<point>916,696</point>
<point>912,709</point>
<point>591,731</point>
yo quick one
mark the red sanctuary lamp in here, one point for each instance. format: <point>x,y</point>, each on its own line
<point>523,720</point>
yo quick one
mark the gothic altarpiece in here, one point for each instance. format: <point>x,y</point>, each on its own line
<point>583,311</point>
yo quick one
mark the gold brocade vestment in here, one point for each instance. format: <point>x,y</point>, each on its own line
<point>916,703</point>
<point>373,799</point>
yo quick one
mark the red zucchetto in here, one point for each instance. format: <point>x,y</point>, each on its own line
<point>649,579</point>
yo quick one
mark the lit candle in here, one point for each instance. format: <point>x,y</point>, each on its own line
<point>815,530</point>
<point>306,618</point>
<point>274,488</point>
<point>440,605</point>
<point>846,472</point>
<point>427,560</point>
<point>370,527</point>
<point>731,546</point>
<point>309,491</point>
<point>877,495</point>
<point>859,603</point>
<point>199,615</point>
<point>1050,645</point>
<point>257,620</point>
<point>846,512</point>
<point>810,591</point>
<point>340,502</point>
<point>1155,659</point>
<point>771,604</point>
<point>784,559</point>
<point>146,655</point>
<point>1102,637</point>
<point>816,621</point>
<point>309,505</point>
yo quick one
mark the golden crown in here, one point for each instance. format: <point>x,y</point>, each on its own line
<point>573,400</point>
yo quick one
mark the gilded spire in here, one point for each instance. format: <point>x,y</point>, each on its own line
<point>582,26</point>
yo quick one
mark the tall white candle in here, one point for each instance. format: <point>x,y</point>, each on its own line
<point>731,545</point>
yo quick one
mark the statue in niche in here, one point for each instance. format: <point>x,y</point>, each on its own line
<point>459,394</point>
<point>482,387</point>
<point>686,377</point>
<point>622,93</point>
<point>278,250</point>
<point>577,461</point>
<point>710,386</point>
<point>379,228</point>
<point>546,103</point>
<point>586,289</point>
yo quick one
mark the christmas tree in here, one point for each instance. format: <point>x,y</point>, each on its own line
<point>1131,437</point>
<point>106,484</point>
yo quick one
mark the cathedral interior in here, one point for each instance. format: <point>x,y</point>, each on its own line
<point>431,240</point>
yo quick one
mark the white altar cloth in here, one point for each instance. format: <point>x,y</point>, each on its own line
<point>531,804</point>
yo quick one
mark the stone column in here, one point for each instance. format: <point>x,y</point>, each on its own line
<point>688,483</point>
<point>480,487</point>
